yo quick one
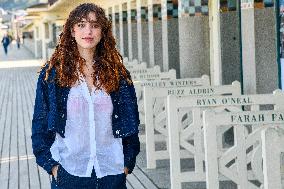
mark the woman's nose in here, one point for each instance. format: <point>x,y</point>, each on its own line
<point>89,29</point>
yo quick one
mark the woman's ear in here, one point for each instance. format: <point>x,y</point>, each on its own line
<point>72,32</point>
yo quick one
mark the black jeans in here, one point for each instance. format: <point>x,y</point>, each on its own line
<point>65,180</point>
<point>5,48</point>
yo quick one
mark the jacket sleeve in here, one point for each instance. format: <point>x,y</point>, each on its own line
<point>131,148</point>
<point>131,144</point>
<point>42,139</point>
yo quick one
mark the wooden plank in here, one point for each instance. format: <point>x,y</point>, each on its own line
<point>144,180</point>
<point>13,151</point>
<point>32,77</point>
<point>22,145</point>
<point>134,182</point>
<point>32,166</point>
<point>5,168</point>
<point>271,151</point>
<point>4,106</point>
<point>128,185</point>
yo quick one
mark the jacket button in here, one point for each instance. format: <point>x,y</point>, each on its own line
<point>116,116</point>
<point>117,132</point>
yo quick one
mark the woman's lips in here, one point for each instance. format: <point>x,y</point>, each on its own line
<point>87,39</point>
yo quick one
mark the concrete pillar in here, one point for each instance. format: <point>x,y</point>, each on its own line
<point>170,36</point>
<point>193,38</point>
<point>215,41</point>
<point>50,50</point>
<point>107,13</point>
<point>113,21</point>
<point>36,39</point>
<point>151,34</point>
<point>117,26</point>
<point>130,55</point>
<point>121,30</point>
<point>145,31</point>
<point>139,30</point>
<point>133,25</point>
<point>45,35</point>
<point>165,40</point>
<point>125,29</point>
<point>248,47</point>
<point>43,30</point>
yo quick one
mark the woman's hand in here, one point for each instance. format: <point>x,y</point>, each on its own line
<point>126,171</point>
<point>54,171</point>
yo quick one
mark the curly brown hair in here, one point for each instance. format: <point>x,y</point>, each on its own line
<point>66,59</point>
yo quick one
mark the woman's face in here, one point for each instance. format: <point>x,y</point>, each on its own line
<point>87,33</point>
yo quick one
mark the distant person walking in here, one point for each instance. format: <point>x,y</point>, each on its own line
<point>18,42</point>
<point>6,42</point>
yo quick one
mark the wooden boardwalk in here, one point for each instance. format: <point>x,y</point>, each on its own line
<point>18,168</point>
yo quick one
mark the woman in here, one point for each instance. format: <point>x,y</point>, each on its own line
<point>85,122</point>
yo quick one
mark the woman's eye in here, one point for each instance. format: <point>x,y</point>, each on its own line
<point>81,25</point>
<point>95,26</point>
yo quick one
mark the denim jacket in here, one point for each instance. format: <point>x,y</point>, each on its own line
<point>50,113</point>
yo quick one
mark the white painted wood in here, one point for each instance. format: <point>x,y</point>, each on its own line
<point>185,82</point>
<point>215,42</point>
<point>219,103</point>
<point>272,140</point>
<point>176,179</point>
<point>203,81</point>
<point>137,71</point>
<point>239,134</point>
<point>238,172</point>
<point>134,64</point>
<point>171,74</point>
<point>212,180</point>
<point>152,75</point>
<point>154,106</point>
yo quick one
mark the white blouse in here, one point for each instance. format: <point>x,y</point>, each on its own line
<point>89,141</point>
